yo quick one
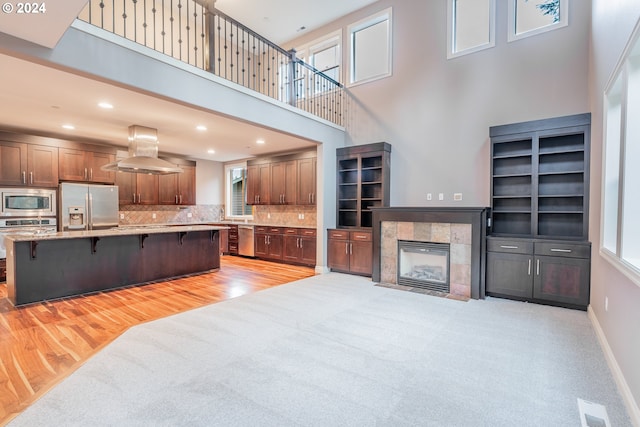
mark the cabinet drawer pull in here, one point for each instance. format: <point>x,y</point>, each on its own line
<point>508,247</point>
<point>566,251</point>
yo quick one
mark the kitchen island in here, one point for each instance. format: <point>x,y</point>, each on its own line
<point>55,265</point>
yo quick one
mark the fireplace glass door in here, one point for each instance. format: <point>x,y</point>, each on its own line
<point>424,265</point>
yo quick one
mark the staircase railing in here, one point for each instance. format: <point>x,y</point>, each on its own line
<point>212,41</point>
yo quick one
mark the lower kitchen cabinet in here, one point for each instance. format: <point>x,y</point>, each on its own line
<point>268,243</point>
<point>232,243</point>
<point>545,271</point>
<point>3,270</point>
<point>299,246</point>
<point>350,251</point>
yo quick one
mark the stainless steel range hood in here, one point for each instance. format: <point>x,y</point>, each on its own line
<point>143,154</point>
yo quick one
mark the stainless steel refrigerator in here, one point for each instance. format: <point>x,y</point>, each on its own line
<point>87,206</point>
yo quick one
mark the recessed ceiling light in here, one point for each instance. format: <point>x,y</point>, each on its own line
<point>105,105</point>
<point>260,141</point>
<point>70,127</point>
<point>201,127</point>
<point>210,151</point>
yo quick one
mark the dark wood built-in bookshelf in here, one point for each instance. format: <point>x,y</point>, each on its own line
<point>538,248</point>
<point>363,183</point>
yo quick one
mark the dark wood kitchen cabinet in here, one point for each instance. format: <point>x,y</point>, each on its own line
<point>268,243</point>
<point>28,165</point>
<point>137,188</point>
<point>545,271</point>
<point>3,270</point>
<point>299,246</point>
<point>288,179</point>
<point>283,182</point>
<point>258,184</point>
<point>85,166</point>
<point>350,251</point>
<point>307,172</point>
<point>178,188</point>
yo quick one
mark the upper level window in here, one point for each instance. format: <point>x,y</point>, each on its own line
<point>370,48</point>
<point>471,26</point>
<point>530,17</point>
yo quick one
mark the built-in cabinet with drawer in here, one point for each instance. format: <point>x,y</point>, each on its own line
<point>84,165</point>
<point>299,246</point>
<point>547,271</point>
<point>538,246</point>
<point>268,243</point>
<point>282,180</point>
<point>232,247</point>
<point>30,165</point>
<point>350,251</point>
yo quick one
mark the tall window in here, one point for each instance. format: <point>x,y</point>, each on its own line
<point>236,191</point>
<point>530,17</point>
<point>621,164</point>
<point>370,48</point>
<point>471,26</point>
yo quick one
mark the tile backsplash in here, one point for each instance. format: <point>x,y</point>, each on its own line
<point>293,216</point>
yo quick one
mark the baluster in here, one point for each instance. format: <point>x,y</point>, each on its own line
<point>179,30</point>
<point>135,20</point>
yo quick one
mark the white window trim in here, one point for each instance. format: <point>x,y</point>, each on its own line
<point>385,15</point>
<point>451,31</point>
<point>615,259</point>
<point>227,197</point>
<point>511,34</point>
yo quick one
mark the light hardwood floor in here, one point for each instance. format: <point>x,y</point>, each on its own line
<point>41,344</point>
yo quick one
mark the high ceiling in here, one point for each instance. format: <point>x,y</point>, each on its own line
<point>44,99</point>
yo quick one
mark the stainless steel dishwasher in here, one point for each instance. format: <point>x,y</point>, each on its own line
<point>245,240</point>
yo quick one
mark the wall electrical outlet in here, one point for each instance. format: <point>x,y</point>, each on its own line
<point>153,216</point>
<point>457,196</point>
<point>440,196</point>
<point>189,214</point>
<point>429,196</point>
<point>268,215</point>
<point>121,216</point>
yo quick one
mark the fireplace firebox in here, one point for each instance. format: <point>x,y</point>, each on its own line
<point>423,265</point>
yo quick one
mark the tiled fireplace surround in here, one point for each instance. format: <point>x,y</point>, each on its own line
<point>458,236</point>
<point>464,229</point>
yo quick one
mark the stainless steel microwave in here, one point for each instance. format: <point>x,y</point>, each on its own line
<point>28,202</point>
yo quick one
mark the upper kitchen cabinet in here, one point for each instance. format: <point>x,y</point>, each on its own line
<point>288,179</point>
<point>137,188</point>
<point>258,184</point>
<point>283,182</point>
<point>540,178</point>
<point>30,165</point>
<point>85,165</point>
<point>363,182</point>
<point>307,181</point>
<point>178,188</point>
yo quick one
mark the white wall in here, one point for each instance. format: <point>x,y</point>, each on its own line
<point>209,182</point>
<point>612,25</point>
<point>436,113</point>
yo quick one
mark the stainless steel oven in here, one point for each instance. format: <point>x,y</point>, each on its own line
<point>28,202</point>
<point>24,226</point>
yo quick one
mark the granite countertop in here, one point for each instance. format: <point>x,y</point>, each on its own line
<point>119,231</point>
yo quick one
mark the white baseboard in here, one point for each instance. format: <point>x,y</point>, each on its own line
<point>623,387</point>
